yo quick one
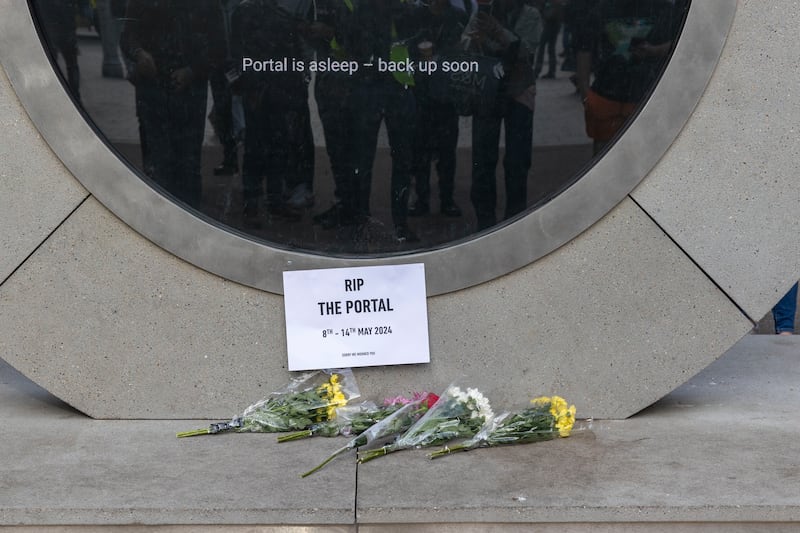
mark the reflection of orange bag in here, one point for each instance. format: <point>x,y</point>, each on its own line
<point>605,117</point>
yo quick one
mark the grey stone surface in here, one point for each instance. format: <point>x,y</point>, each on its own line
<point>723,448</point>
<point>62,468</point>
<point>584,322</point>
<point>727,189</point>
<point>36,191</point>
<point>118,328</point>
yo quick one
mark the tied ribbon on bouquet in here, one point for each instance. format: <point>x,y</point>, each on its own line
<point>457,414</point>
<point>406,414</point>
<point>309,399</point>
<point>546,419</point>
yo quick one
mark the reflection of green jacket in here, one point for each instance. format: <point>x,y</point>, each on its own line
<point>523,29</point>
<point>374,30</point>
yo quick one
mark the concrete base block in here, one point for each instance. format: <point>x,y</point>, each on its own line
<point>118,328</point>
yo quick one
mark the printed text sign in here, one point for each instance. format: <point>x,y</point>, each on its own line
<point>361,316</point>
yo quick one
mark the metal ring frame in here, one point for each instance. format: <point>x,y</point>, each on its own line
<point>463,264</point>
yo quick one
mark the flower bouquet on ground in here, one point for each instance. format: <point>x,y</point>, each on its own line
<point>546,418</point>
<point>457,414</point>
<point>406,414</point>
<point>309,399</point>
<point>352,420</point>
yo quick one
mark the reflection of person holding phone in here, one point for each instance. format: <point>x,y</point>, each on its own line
<point>173,47</point>
<point>509,30</point>
<point>625,44</point>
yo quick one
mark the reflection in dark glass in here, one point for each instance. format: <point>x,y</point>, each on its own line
<point>360,126</point>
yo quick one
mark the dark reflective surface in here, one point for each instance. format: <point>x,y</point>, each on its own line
<point>360,127</point>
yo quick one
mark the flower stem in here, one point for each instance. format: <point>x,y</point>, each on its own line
<point>448,450</point>
<point>333,456</point>
<point>193,433</point>
<point>295,436</point>
<point>369,455</point>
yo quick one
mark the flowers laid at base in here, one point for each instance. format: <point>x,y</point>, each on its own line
<point>315,404</point>
<point>352,420</point>
<point>546,419</point>
<point>394,424</point>
<point>310,399</point>
<point>457,414</point>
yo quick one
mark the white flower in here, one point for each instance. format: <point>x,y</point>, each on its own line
<point>484,409</point>
<point>457,394</point>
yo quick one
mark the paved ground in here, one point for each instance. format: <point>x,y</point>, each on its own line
<point>724,447</point>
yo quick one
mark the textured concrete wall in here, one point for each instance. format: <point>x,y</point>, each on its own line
<point>614,320</point>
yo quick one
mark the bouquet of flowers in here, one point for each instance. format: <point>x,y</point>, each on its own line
<point>406,414</point>
<point>457,414</point>
<point>311,398</point>
<point>546,418</point>
<point>353,419</point>
<point>349,420</point>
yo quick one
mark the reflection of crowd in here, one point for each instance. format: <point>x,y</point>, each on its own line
<point>175,50</point>
<point>621,48</point>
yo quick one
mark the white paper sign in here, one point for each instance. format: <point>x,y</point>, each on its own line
<point>351,317</point>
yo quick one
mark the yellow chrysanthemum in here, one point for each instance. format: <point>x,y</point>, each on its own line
<point>563,414</point>
<point>337,400</point>
<point>332,392</point>
<point>541,401</point>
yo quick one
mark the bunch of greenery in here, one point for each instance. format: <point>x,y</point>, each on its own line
<point>396,423</point>
<point>308,400</point>
<point>545,419</point>
<point>457,414</point>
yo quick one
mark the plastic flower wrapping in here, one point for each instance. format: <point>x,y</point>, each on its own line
<point>404,416</point>
<point>309,399</point>
<point>545,419</point>
<point>457,414</point>
<point>351,420</point>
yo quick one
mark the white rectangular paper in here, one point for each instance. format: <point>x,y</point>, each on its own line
<point>360,316</point>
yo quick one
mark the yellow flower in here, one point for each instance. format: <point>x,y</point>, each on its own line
<point>564,416</point>
<point>332,392</point>
<point>337,400</point>
<point>541,401</point>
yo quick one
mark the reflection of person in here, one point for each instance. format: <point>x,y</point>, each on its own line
<point>436,131</point>
<point>173,45</point>
<point>625,44</point>
<point>108,14</point>
<point>784,312</point>
<point>511,32</point>
<point>275,105</point>
<point>375,30</point>
<point>221,116</point>
<point>552,13</point>
<point>58,18</point>
<point>332,93</point>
